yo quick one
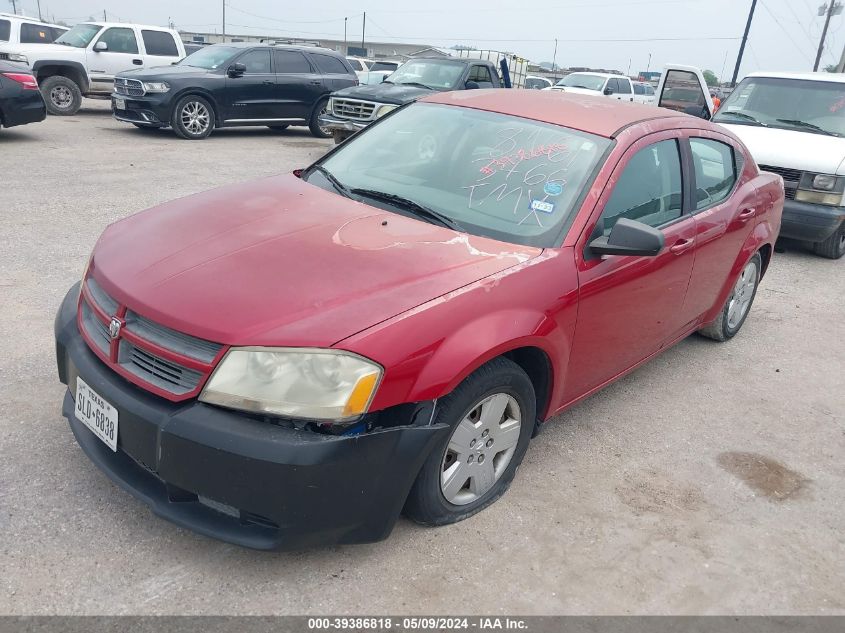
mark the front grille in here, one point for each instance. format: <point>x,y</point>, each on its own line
<point>144,351</point>
<point>789,194</point>
<point>791,179</point>
<point>128,87</point>
<point>4,56</point>
<point>353,109</point>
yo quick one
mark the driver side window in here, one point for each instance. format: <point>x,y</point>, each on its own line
<point>649,189</point>
<point>120,40</point>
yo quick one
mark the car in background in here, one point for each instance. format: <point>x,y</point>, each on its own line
<point>537,83</point>
<point>20,99</point>
<point>615,86</point>
<point>17,29</point>
<point>370,78</point>
<point>365,68</point>
<point>292,362</point>
<point>643,92</point>
<point>84,61</point>
<point>238,84</point>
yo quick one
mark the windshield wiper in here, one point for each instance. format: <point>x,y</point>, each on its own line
<point>414,83</point>
<point>808,126</point>
<point>339,186</point>
<point>742,115</point>
<point>409,205</point>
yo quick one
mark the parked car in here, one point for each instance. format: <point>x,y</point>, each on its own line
<point>365,67</point>
<point>83,61</point>
<point>290,362</point>
<point>371,78</point>
<point>18,29</point>
<point>643,92</point>
<point>617,87</point>
<point>353,109</point>
<point>20,100</point>
<point>793,125</point>
<point>537,83</point>
<point>228,85</point>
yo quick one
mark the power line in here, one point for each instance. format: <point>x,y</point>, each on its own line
<point>782,28</point>
<point>286,21</point>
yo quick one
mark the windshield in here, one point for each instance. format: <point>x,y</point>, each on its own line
<point>210,58</point>
<point>493,175</point>
<point>432,73</point>
<point>582,80</point>
<point>795,104</point>
<point>79,36</point>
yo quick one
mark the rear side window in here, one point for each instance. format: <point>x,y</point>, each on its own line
<point>624,86</point>
<point>638,89</point>
<point>36,34</point>
<point>291,63</point>
<point>330,65</point>
<point>120,40</point>
<point>715,171</point>
<point>356,65</point>
<point>5,30</point>
<point>649,189</point>
<point>257,62</point>
<point>160,43</point>
<point>649,90</point>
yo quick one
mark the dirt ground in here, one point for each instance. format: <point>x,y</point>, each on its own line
<point>709,481</point>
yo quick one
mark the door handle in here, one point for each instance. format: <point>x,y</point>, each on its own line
<point>747,214</point>
<point>681,246</point>
<point>316,83</point>
<point>138,62</point>
<point>267,82</point>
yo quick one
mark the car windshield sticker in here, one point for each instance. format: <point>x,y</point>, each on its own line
<point>553,188</point>
<point>542,206</point>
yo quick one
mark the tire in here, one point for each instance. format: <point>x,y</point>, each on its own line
<point>62,96</point>
<point>738,305</point>
<point>339,136</point>
<point>278,128</point>
<point>193,118</point>
<point>314,123</point>
<point>452,483</point>
<point>834,246</point>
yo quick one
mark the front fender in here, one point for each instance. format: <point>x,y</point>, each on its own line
<point>62,63</point>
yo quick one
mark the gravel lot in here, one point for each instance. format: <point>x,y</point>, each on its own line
<point>709,481</point>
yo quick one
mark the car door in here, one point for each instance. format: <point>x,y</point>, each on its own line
<point>630,306</point>
<point>115,50</point>
<point>683,88</point>
<point>725,210</point>
<point>252,95</point>
<point>299,84</point>
<point>626,92</point>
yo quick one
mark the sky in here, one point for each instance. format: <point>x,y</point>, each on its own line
<point>626,35</point>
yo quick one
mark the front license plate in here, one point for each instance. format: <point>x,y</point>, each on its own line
<point>97,414</point>
<point>119,104</point>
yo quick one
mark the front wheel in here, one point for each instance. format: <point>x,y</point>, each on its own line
<point>62,96</point>
<point>738,305</point>
<point>492,416</point>
<point>193,118</point>
<point>834,246</point>
<point>314,124</point>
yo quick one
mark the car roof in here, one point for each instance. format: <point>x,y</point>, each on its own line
<point>597,74</point>
<point>25,18</point>
<point>837,77</point>
<point>596,115</point>
<point>124,24</point>
<point>286,47</point>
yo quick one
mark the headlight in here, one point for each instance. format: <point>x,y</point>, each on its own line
<point>156,86</point>
<point>15,57</point>
<point>820,189</point>
<point>824,182</point>
<point>297,382</point>
<point>385,109</point>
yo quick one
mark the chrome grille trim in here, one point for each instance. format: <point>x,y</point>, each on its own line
<point>103,300</point>
<point>354,109</point>
<point>129,87</point>
<point>157,371</point>
<point>196,348</point>
<point>97,330</point>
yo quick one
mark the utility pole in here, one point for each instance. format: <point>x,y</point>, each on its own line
<point>105,17</point>
<point>554,61</point>
<point>363,32</point>
<point>224,21</point>
<point>345,45</point>
<point>829,10</point>
<point>840,68</point>
<point>14,7</point>
<point>40,17</point>
<point>744,40</point>
<point>648,66</point>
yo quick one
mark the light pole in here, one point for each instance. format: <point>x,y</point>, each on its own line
<point>834,8</point>
<point>224,21</point>
<point>648,66</point>
<point>554,61</point>
<point>345,46</point>
<point>742,44</point>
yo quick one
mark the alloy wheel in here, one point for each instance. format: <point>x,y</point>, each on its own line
<point>61,97</point>
<point>480,449</point>
<point>742,295</point>
<point>324,110</point>
<point>195,117</point>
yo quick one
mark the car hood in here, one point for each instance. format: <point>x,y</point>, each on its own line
<point>156,72</point>
<point>41,51</point>
<point>384,93</point>
<point>792,149</point>
<point>283,262</point>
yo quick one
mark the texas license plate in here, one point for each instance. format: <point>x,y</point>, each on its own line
<point>97,414</point>
<point>119,104</point>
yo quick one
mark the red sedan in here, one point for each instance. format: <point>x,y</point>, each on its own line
<point>296,360</point>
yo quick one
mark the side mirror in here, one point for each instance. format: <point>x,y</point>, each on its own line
<point>101,47</point>
<point>629,237</point>
<point>471,85</point>
<point>608,91</point>
<point>236,70</point>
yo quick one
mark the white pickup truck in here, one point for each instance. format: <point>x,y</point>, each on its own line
<point>85,60</point>
<point>794,125</point>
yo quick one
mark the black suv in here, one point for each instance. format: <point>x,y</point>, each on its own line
<point>234,85</point>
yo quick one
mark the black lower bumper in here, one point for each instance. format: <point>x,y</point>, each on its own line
<point>147,111</point>
<point>243,480</point>
<point>26,107</point>
<point>810,222</point>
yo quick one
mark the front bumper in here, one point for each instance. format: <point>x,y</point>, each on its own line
<point>810,222</point>
<point>238,478</point>
<point>152,110</point>
<point>333,123</point>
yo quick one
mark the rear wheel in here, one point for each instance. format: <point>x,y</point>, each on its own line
<point>314,124</point>
<point>738,305</point>
<point>62,96</point>
<point>492,416</point>
<point>193,118</point>
<point>834,246</point>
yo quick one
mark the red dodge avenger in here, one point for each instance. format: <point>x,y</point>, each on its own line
<point>296,361</point>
